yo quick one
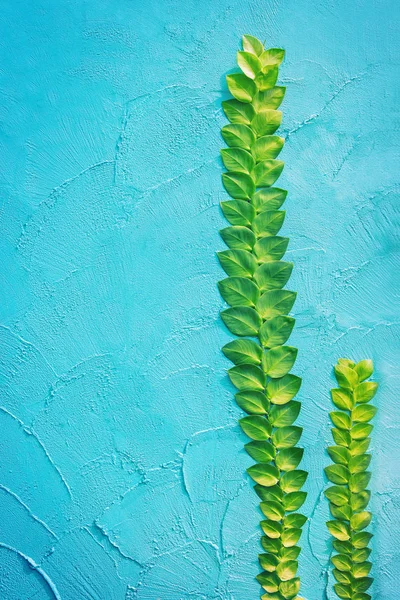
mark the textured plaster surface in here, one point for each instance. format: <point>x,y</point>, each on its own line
<point>122,465</point>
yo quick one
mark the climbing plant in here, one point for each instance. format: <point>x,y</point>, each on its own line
<point>259,310</point>
<point>349,497</point>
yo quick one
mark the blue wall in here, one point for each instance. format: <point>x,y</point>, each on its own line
<point>122,465</point>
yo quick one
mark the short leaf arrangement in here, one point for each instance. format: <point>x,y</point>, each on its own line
<point>348,497</point>
<point>259,309</point>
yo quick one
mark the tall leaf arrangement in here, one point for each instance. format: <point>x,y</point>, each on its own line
<point>349,497</point>
<point>259,310</point>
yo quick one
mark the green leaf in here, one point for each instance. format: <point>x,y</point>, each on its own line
<point>280,391</point>
<point>238,136</point>
<point>339,454</point>
<point>239,291</point>
<point>241,87</point>
<point>361,431</point>
<point>273,275</point>
<point>364,392</point>
<point>273,510</point>
<point>272,529</point>
<point>260,451</point>
<point>341,437</point>
<point>237,263</point>
<point>268,146</point>
<point>249,63</point>
<point>264,474</point>
<point>252,44</point>
<point>339,419</point>
<point>269,199</point>
<point>295,520</point>
<point>359,447</point>
<point>242,352</point>
<point>238,185</point>
<point>294,500</point>
<point>252,402</point>
<point>339,530</point>
<point>268,562</point>
<point>362,569</point>
<point>346,362</point>
<point>241,320</point>
<point>360,556</point>
<point>342,398</point>
<point>238,212</point>
<point>358,464</point>
<point>360,501</point>
<point>343,591</point>
<point>268,581</point>
<point>256,428</point>
<point>269,98</point>
<point>342,562</point>
<point>289,589</point>
<point>293,481</point>
<point>359,481</point>
<point>271,494</point>
<point>337,474</point>
<point>276,331</point>
<point>290,537</point>
<point>339,496</point>
<point>237,112</point>
<point>247,377</point>
<point>287,569</point>
<point>346,377</point>
<point>364,369</point>
<point>270,545</point>
<point>362,584</point>
<point>268,222</point>
<point>342,513</point>
<point>269,249</point>
<point>237,160</point>
<point>266,122</point>
<point>289,459</point>
<point>272,56</point>
<point>361,520</point>
<point>361,539</point>
<point>275,303</point>
<point>286,437</point>
<point>278,361</point>
<point>343,577</point>
<point>267,79</point>
<point>282,416</point>
<point>342,547</point>
<point>293,552</point>
<point>238,237</point>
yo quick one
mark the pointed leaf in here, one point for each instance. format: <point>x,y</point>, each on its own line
<point>280,391</point>
<point>273,275</point>
<point>264,474</point>
<point>266,122</point>
<point>238,237</point>
<point>294,500</point>
<point>269,249</point>
<point>359,481</point>
<point>341,437</point>
<point>343,591</point>
<point>278,361</point>
<point>360,500</point>
<point>295,520</point>
<point>237,160</point>
<point>249,64</point>
<point>237,263</point>
<point>262,452</point>
<point>238,212</point>
<point>267,78</point>
<point>239,291</point>
<point>286,570</point>
<point>238,185</point>
<point>269,199</point>
<point>256,428</point>
<point>293,481</point>
<point>364,369</point>
<point>361,431</point>
<point>272,56</point>
<point>339,454</point>
<point>252,44</point>
<point>238,136</point>
<point>269,98</point>
<point>241,87</point>
<point>282,416</point>
<point>268,222</point>
<point>342,398</point>
<point>364,392</point>
<point>273,510</point>
<point>361,539</point>
<point>338,495</point>
<point>241,320</point>
<point>290,537</point>
<point>242,352</point>
<point>340,419</point>
<point>339,530</point>
<point>266,147</point>
<point>237,112</point>
<point>337,474</point>
<point>276,331</point>
<point>342,562</point>
<point>271,494</point>
<point>286,437</point>
<point>289,459</point>
<point>275,303</point>
<point>346,377</point>
<point>360,521</point>
<point>247,377</point>
<point>268,562</point>
<point>252,402</point>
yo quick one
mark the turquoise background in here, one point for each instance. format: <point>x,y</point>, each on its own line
<point>122,465</point>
